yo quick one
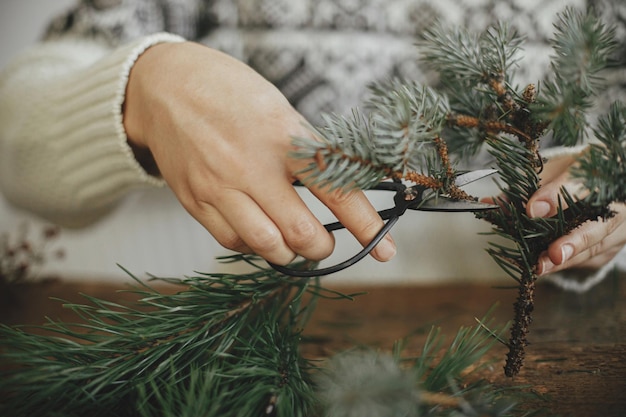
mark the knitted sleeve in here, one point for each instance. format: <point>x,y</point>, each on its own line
<point>63,149</point>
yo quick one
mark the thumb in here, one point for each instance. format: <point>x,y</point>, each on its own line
<point>545,201</point>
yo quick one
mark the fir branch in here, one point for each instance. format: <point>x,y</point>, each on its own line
<point>582,44</point>
<point>342,156</point>
<point>582,47</point>
<point>603,167</point>
<point>480,107</point>
<point>479,90</point>
<point>475,68</point>
<point>464,59</point>
<point>396,140</point>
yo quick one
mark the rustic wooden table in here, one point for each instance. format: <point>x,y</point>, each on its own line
<point>576,362</point>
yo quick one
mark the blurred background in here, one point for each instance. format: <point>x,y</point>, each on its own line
<point>150,233</point>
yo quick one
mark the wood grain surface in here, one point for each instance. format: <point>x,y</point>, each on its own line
<point>575,365</point>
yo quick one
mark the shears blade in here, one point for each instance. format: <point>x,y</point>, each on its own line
<point>443,203</point>
<point>471,176</point>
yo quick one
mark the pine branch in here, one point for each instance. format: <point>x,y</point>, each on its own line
<point>364,382</point>
<point>227,345</point>
<point>240,330</point>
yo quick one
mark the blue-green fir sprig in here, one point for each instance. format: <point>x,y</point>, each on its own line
<point>342,157</point>
<point>471,59</point>
<point>603,168</point>
<point>397,139</point>
<point>407,118</point>
<point>583,46</point>
<point>475,73</point>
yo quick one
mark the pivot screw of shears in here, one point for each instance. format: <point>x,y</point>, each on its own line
<point>410,194</point>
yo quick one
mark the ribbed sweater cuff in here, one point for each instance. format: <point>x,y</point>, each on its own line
<point>94,112</point>
<point>64,150</point>
<point>560,151</point>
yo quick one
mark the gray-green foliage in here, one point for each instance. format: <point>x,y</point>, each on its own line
<point>394,138</point>
<point>603,168</point>
<point>582,46</point>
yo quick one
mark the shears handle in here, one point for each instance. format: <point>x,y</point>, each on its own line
<point>404,198</point>
<point>310,273</point>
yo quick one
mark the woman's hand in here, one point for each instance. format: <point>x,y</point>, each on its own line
<point>591,245</point>
<point>220,135</point>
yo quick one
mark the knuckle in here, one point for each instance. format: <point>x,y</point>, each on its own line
<point>341,198</point>
<point>189,203</point>
<point>231,241</point>
<point>265,241</point>
<point>597,249</point>
<point>370,227</point>
<point>301,235</point>
<point>321,253</point>
<point>304,239</point>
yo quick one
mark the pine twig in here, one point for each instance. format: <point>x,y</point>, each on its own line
<point>220,327</point>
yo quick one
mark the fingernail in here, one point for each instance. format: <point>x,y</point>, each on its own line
<point>545,266</point>
<point>567,251</point>
<point>539,209</point>
<point>386,249</point>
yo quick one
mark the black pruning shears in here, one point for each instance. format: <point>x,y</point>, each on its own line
<point>406,198</point>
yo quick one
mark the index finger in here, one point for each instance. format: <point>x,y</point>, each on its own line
<point>351,208</point>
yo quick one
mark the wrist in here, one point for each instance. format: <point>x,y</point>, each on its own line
<point>132,115</point>
<point>136,116</point>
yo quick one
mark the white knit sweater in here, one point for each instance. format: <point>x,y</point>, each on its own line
<point>63,149</point>
<point>63,153</point>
